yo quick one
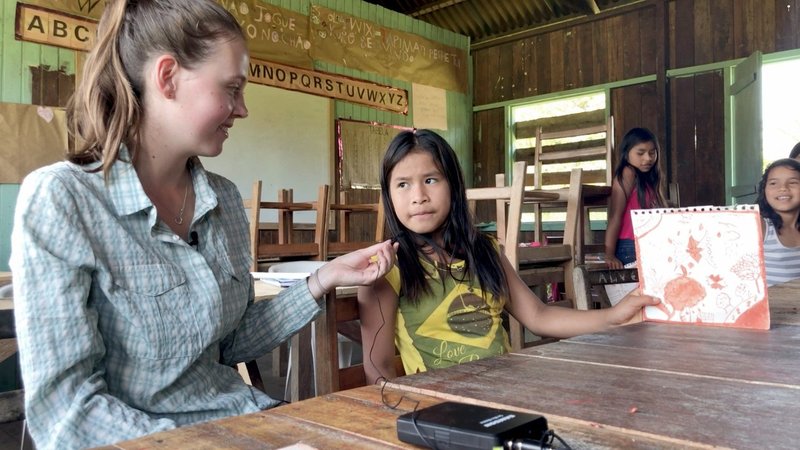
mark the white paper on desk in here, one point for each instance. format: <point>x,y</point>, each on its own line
<point>616,292</point>
<point>282,279</point>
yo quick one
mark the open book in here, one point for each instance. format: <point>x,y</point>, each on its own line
<point>706,264</point>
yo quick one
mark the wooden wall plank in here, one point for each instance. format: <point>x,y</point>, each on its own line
<point>631,43</point>
<point>787,19</point>
<point>710,152</point>
<point>684,42</point>
<point>766,26</point>
<point>519,64</point>
<point>487,75</point>
<point>615,33</point>
<point>683,138</point>
<point>531,76</point>
<point>542,66</point>
<point>743,18</point>
<point>702,33</point>
<point>600,53</point>
<point>650,42</point>
<point>506,79</point>
<point>557,61</point>
<point>489,157</point>
<point>651,113</point>
<point>585,56</point>
<point>722,30</point>
<point>571,66</point>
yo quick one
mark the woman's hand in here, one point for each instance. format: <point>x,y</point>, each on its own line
<point>359,268</point>
<point>629,309</point>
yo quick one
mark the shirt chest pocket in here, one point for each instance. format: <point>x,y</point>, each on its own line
<point>153,315</point>
<point>235,285</point>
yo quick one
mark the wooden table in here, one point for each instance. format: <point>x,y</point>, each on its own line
<point>592,197</point>
<point>354,419</point>
<point>321,378</point>
<point>644,386</point>
<point>679,385</point>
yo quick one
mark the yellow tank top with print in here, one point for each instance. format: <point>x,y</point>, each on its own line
<point>448,326</point>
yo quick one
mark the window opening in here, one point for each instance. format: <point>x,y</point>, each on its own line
<point>573,112</point>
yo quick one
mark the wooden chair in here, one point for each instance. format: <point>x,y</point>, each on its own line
<point>345,213</point>
<point>330,377</point>
<point>587,279</point>
<point>299,382</point>
<point>286,247</point>
<point>540,265</point>
<point>510,198</point>
<point>550,151</point>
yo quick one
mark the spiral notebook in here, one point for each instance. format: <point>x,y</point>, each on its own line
<point>706,264</point>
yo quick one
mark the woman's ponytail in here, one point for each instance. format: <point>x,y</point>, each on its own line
<point>104,111</point>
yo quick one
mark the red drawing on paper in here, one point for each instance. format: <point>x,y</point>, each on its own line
<point>683,292</point>
<point>705,264</point>
<point>693,249</point>
<point>716,281</point>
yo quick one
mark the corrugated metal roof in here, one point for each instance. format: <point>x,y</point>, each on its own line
<point>482,20</point>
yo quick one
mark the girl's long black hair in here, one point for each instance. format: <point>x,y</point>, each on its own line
<point>461,239</point>
<point>645,181</point>
<point>763,205</point>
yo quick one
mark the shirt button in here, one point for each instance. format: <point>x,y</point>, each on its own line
<point>175,237</point>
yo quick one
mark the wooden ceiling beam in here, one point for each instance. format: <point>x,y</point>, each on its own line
<point>430,7</point>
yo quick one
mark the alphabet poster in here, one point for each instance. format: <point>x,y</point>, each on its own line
<point>706,264</point>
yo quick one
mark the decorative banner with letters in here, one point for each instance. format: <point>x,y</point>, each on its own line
<point>354,42</point>
<point>273,33</point>
<point>90,9</point>
<point>328,85</point>
<point>35,24</point>
<point>278,34</point>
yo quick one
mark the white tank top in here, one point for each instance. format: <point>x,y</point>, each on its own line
<point>782,263</point>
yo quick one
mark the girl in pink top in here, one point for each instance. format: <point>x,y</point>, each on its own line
<point>637,185</point>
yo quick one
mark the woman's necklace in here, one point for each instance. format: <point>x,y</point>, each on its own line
<point>179,219</point>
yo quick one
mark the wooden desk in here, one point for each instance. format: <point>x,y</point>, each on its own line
<point>692,387</point>
<point>784,303</point>
<point>353,419</point>
<point>591,197</point>
<point>321,378</point>
<point>349,419</point>
<point>685,386</point>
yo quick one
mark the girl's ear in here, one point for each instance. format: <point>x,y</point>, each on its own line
<point>165,70</point>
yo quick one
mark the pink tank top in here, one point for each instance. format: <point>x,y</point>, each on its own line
<point>626,230</point>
